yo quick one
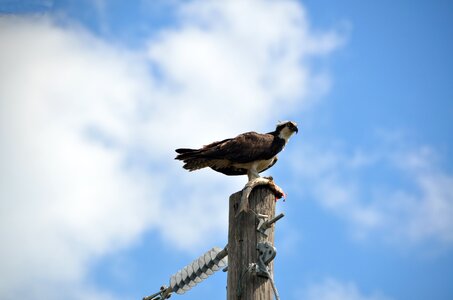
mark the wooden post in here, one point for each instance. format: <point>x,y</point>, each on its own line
<point>242,240</point>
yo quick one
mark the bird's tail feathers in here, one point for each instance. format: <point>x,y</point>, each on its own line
<point>184,150</point>
<point>193,164</point>
<point>185,153</point>
<point>193,159</point>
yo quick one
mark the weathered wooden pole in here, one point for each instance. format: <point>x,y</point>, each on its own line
<point>242,242</point>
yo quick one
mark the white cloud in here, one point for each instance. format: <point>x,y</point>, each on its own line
<point>427,211</point>
<point>396,190</point>
<point>331,289</point>
<point>64,198</point>
<point>88,132</point>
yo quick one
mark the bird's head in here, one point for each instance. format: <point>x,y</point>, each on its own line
<point>286,129</point>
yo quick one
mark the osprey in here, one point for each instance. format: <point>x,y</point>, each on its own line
<point>248,154</point>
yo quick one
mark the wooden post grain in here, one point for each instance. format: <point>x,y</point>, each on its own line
<point>242,240</point>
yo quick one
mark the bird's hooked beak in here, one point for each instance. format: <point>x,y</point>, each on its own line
<point>296,130</point>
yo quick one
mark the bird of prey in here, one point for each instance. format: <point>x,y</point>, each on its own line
<point>248,154</point>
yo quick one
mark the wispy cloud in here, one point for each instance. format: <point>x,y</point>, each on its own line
<point>331,289</point>
<point>88,132</point>
<point>397,190</point>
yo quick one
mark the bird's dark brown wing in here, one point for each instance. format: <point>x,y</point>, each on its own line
<point>244,148</point>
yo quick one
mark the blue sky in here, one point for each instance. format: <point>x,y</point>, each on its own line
<point>96,95</point>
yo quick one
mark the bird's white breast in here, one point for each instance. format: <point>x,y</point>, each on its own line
<point>259,165</point>
<point>263,164</point>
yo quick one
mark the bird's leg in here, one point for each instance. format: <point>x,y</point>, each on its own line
<point>252,174</point>
<point>269,181</point>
